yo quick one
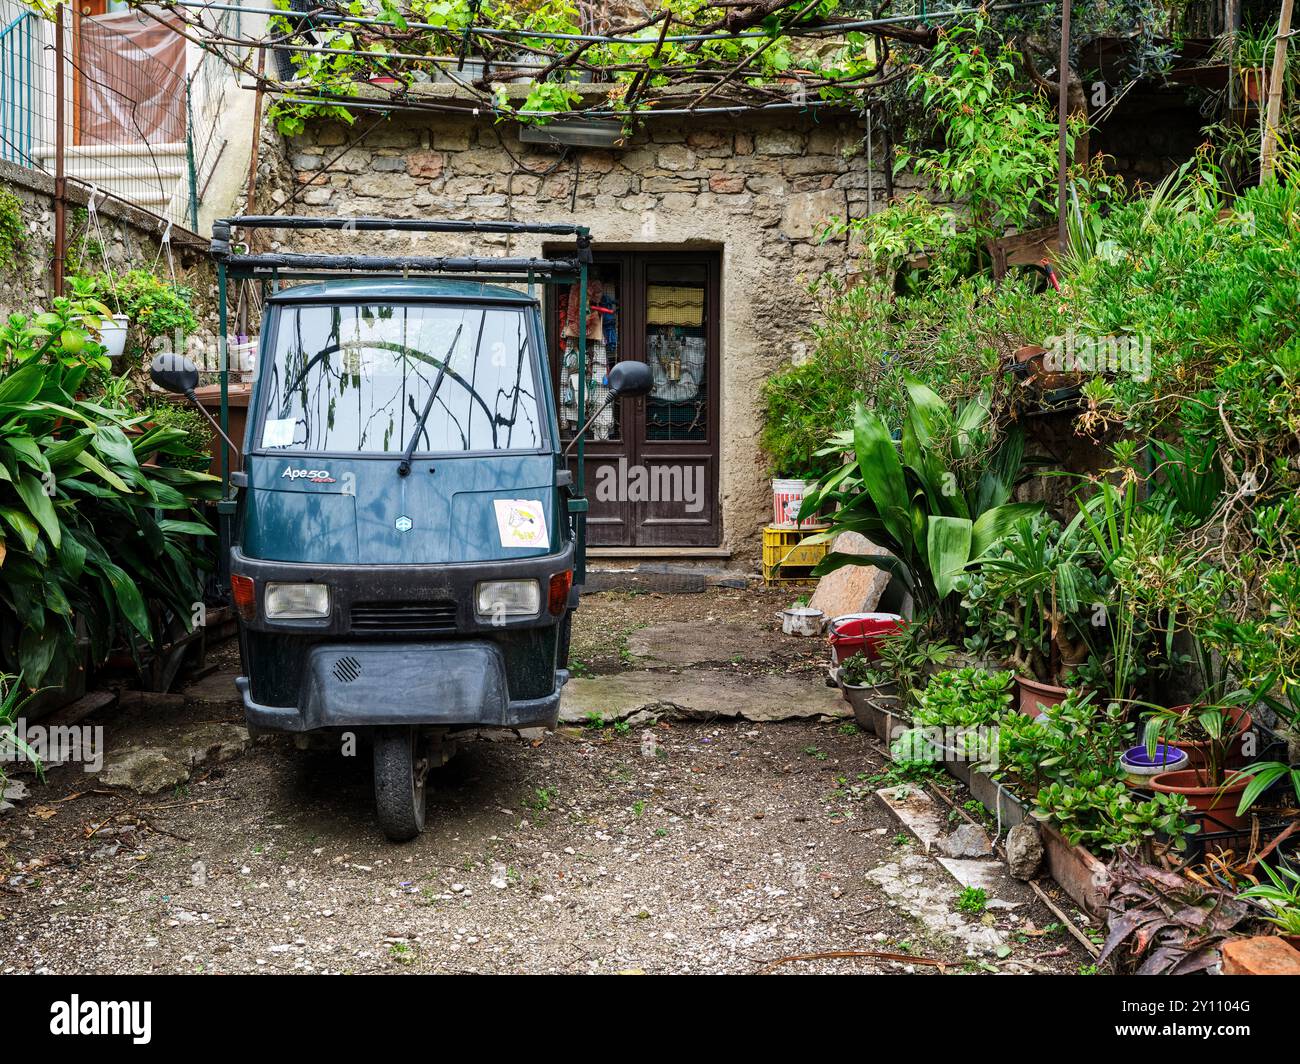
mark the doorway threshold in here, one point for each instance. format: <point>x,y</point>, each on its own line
<point>676,553</point>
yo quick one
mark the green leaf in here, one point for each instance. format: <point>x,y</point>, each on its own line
<point>129,599</point>
<point>992,525</point>
<point>948,544</point>
<point>72,556</point>
<point>41,506</point>
<point>189,528</point>
<point>66,450</point>
<point>22,386</point>
<point>27,529</point>
<point>97,467</point>
<point>882,474</point>
<point>111,442</point>
<point>36,651</point>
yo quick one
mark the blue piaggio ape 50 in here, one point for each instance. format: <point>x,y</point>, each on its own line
<point>404,543</point>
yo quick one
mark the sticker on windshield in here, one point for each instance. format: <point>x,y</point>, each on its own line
<point>278,432</point>
<point>521,523</point>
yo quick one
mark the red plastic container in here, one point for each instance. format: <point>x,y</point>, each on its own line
<point>862,632</point>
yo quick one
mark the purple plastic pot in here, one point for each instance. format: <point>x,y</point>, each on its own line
<point>1137,762</point>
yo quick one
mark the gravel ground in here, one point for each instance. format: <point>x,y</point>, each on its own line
<point>688,847</point>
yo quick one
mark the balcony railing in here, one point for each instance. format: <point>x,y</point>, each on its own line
<point>141,107</point>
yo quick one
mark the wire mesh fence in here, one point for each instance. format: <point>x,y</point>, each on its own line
<point>116,100</point>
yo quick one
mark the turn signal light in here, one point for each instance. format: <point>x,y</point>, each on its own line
<point>557,598</point>
<point>243,592</point>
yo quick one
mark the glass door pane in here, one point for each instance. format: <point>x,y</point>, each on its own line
<point>603,350</point>
<point>677,313</point>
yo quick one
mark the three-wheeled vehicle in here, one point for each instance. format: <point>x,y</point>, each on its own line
<point>404,543</point>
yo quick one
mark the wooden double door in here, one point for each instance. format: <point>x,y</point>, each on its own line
<point>652,462</point>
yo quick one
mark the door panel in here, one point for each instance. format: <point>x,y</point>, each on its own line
<point>610,519</point>
<point>652,465</point>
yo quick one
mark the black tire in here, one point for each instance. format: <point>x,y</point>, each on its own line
<point>401,768</point>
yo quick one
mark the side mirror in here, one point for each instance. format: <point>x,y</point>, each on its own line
<point>177,374</point>
<point>632,379</point>
<point>174,373</point>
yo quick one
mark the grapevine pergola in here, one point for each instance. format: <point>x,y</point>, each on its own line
<point>538,60</point>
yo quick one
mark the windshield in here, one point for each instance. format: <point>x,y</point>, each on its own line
<point>356,378</point>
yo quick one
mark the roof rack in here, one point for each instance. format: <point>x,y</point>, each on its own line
<point>249,265</point>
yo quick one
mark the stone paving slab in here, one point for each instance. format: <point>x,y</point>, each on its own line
<point>682,644</point>
<point>701,695</point>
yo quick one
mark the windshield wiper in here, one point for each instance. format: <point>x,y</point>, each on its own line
<point>404,466</point>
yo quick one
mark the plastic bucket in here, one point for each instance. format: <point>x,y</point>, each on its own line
<point>863,632</point>
<point>787,498</point>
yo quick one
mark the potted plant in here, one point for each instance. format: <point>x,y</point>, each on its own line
<point>112,327</point>
<point>1024,603</point>
<point>964,706</point>
<point>1206,786</point>
<point>883,688</point>
<point>870,690</point>
<point>1253,54</point>
<point>935,496</point>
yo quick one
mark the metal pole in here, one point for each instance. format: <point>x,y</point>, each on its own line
<point>1063,119</point>
<point>580,546</point>
<point>60,181</point>
<point>251,201</point>
<point>1268,149</point>
<point>189,154</point>
<point>223,374</point>
<point>226,505</point>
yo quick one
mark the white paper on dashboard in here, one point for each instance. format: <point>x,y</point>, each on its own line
<point>278,432</point>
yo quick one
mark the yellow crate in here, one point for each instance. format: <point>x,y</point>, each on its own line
<point>787,557</point>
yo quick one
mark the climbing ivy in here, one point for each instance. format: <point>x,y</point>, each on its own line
<point>12,229</point>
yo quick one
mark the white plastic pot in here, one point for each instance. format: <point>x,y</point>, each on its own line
<point>112,334</point>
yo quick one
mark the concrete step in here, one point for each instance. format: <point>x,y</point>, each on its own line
<point>664,577</point>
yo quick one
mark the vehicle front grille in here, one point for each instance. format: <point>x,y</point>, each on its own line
<point>347,669</point>
<point>404,617</point>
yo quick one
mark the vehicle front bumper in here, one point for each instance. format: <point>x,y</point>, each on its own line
<point>472,672</point>
<point>455,683</point>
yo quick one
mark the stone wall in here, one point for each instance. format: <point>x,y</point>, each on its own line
<point>131,239</point>
<point>756,190</point>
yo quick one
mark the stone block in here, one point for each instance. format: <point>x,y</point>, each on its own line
<point>709,139</point>
<point>383,186</point>
<point>779,142</point>
<point>675,157</point>
<point>854,588</point>
<point>424,163</point>
<point>807,212</point>
<point>1262,955</point>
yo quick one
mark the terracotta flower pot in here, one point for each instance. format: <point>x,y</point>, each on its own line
<point>1253,82</point>
<point>1036,697</point>
<point>1198,750</point>
<point>1219,804</point>
<point>1030,363</point>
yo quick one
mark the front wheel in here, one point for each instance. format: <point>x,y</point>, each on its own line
<point>401,767</point>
